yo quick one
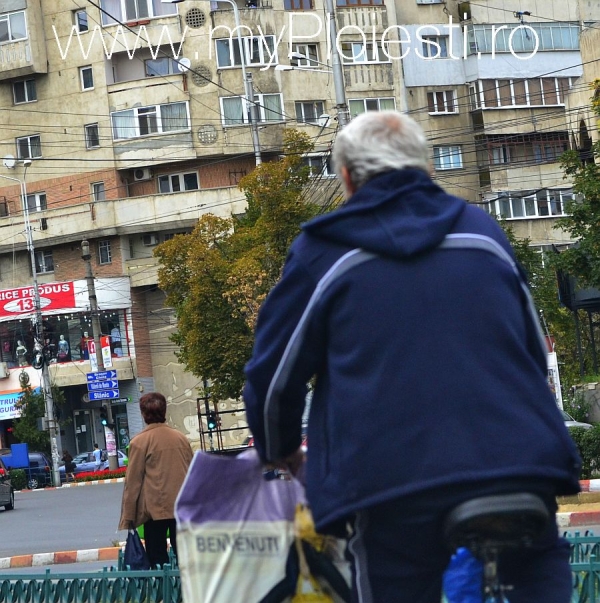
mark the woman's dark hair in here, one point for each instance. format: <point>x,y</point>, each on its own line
<point>153,407</point>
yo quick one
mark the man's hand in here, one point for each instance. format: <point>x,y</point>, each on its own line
<point>294,462</point>
<point>289,465</point>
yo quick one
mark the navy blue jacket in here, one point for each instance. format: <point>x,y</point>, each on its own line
<point>427,365</point>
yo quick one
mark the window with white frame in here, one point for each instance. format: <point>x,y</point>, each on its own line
<point>86,76</point>
<point>104,254</point>
<point>98,191</point>
<point>92,136</point>
<point>353,3</point>
<point>359,52</point>
<point>442,101</point>
<point>435,47</point>
<point>258,50</point>
<point>156,119</point>
<point>358,106</point>
<point>235,109</point>
<point>36,202</point>
<point>309,112</point>
<point>80,19</point>
<point>12,27</point>
<point>319,165</point>
<point>544,203</point>
<point>24,91</point>
<point>174,183</point>
<point>309,54</point>
<point>496,94</point>
<point>430,1</point>
<point>447,157</point>
<point>161,66</point>
<point>44,261</point>
<point>298,5</point>
<point>116,11</point>
<point>29,147</point>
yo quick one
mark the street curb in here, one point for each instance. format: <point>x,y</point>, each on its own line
<point>112,480</point>
<point>43,559</point>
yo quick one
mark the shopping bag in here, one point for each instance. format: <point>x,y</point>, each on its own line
<point>234,529</point>
<point>135,557</point>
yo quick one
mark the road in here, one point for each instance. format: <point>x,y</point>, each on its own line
<point>64,519</point>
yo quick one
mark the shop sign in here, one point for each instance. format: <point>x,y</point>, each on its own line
<point>21,300</point>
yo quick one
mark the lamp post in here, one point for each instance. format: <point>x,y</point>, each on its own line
<point>113,460</point>
<point>52,424</point>
<point>247,77</point>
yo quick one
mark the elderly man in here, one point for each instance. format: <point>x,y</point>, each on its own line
<point>407,311</point>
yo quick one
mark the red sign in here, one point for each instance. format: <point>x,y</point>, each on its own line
<point>53,296</point>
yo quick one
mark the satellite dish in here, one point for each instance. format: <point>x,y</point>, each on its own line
<point>9,162</point>
<point>184,64</point>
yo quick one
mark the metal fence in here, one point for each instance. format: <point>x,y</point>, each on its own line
<point>164,586</point>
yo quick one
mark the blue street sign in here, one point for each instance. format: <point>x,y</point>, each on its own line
<point>107,394</point>
<point>95,386</point>
<point>101,376</point>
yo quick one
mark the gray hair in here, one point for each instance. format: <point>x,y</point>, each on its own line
<point>377,142</point>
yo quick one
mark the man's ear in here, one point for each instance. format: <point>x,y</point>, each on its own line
<point>347,180</point>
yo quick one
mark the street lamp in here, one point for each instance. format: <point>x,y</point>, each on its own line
<point>53,428</point>
<point>113,460</point>
<point>247,77</point>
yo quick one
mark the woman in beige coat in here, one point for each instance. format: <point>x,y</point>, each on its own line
<point>159,458</point>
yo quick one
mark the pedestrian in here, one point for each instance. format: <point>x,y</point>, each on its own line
<point>159,457</point>
<point>69,466</point>
<point>406,310</point>
<point>97,458</point>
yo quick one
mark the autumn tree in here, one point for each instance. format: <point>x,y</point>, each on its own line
<point>217,277</point>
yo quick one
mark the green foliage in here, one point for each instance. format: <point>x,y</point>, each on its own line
<point>18,478</point>
<point>588,444</point>
<point>217,277</point>
<point>578,407</point>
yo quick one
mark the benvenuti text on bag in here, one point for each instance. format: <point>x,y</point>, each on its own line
<point>240,543</point>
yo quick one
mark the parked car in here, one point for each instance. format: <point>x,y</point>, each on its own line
<point>39,472</point>
<point>571,422</point>
<point>7,494</point>
<point>85,463</point>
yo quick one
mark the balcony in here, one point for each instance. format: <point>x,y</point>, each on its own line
<point>74,373</point>
<point>362,77</point>
<point>121,217</point>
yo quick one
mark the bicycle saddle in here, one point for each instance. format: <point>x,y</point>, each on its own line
<point>499,521</point>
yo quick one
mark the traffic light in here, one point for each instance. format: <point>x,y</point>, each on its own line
<point>104,415</point>
<point>212,420</point>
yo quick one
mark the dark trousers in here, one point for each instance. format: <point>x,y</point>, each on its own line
<point>398,554</point>
<point>155,539</point>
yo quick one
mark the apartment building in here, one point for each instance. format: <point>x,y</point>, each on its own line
<point>122,124</point>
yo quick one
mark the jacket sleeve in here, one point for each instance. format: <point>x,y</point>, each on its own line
<point>133,485</point>
<point>281,366</point>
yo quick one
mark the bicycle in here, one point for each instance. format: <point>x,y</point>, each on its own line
<point>489,525</point>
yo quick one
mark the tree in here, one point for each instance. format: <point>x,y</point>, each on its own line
<point>217,277</point>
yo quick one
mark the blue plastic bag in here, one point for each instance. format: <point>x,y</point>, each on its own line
<point>463,578</point>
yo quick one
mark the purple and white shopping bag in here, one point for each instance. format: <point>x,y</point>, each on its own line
<point>234,529</point>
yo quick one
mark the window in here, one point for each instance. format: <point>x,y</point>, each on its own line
<point>24,92</point>
<point>234,109</point>
<point>442,101</point>
<point>358,52</point>
<point>44,262</point>
<point>156,119</point>
<point>161,66</point>
<point>540,147</point>
<point>92,136</point>
<point>104,255</point>
<point>29,147</point>
<point>359,3</point>
<point>258,50</point>
<point>98,191</point>
<point>80,19</point>
<point>357,106</point>
<point>297,5</point>
<point>12,27</point>
<point>530,204</point>
<point>308,112</point>
<point>429,1</point>
<point>320,165</point>
<point>174,183</point>
<point>36,202</point>
<point>310,52</point>
<point>435,47</point>
<point>447,157</point>
<point>86,77</point>
<point>115,11</point>
<point>493,94</point>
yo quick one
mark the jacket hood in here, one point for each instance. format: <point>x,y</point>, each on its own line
<point>399,214</point>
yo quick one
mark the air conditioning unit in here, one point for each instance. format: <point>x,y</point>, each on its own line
<point>4,372</point>
<point>142,174</point>
<point>150,240</point>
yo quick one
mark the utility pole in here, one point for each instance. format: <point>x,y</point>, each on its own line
<point>336,67</point>
<point>113,460</point>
